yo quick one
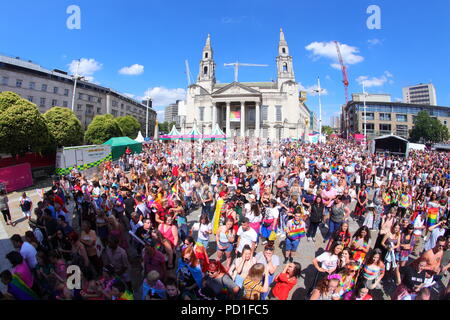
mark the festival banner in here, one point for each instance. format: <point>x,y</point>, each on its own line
<point>235,116</point>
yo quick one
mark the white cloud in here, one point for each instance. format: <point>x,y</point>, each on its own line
<point>327,77</point>
<point>376,81</point>
<point>311,90</point>
<point>134,70</point>
<point>86,69</point>
<point>162,96</point>
<point>328,50</point>
<point>374,42</point>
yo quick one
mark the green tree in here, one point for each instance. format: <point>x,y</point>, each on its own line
<point>64,127</point>
<point>101,129</point>
<point>165,127</point>
<point>129,126</point>
<point>428,129</point>
<point>327,130</point>
<point>22,128</point>
<point>8,99</point>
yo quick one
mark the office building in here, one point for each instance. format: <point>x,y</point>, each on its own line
<point>420,94</point>
<point>50,88</point>
<point>384,118</point>
<point>171,112</point>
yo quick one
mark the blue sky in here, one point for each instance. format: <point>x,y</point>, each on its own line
<point>154,38</point>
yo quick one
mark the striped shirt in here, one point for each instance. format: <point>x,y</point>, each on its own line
<point>372,272</point>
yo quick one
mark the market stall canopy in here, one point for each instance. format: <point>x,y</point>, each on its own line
<point>172,135</point>
<point>140,137</point>
<point>416,146</point>
<point>193,134</point>
<point>216,134</point>
<point>120,144</point>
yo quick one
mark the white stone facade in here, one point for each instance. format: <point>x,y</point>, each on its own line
<point>252,109</point>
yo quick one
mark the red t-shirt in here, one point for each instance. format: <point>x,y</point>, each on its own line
<point>60,201</point>
<point>283,286</point>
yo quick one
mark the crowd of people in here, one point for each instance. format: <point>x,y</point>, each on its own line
<point>132,229</point>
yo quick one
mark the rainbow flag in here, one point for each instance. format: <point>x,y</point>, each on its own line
<point>127,295</point>
<point>333,167</point>
<point>432,216</point>
<point>18,288</point>
<point>297,232</point>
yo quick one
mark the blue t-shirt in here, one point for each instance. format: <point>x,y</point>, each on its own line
<point>52,209</point>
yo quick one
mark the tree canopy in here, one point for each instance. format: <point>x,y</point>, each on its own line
<point>327,130</point>
<point>165,127</point>
<point>428,129</point>
<point>8,99</point>
<point>22,127</point>
<point>101,129</point>
<point>64,127</point>
<point>129,125</point>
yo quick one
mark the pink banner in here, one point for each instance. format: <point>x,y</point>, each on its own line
<point>16,177</point>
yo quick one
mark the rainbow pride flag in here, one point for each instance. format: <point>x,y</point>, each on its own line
<point>333,167</point>
<point>296,231</point>
<point>127,295</point>
<point>18,288</point>
<point>432,216</point>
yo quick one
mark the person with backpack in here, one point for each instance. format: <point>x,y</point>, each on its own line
<point>26,205</point>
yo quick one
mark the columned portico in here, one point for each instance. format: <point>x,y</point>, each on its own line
<point>257,119</point>
<point>214,115</point>
<point>242,119</point>
<point>228,127</point>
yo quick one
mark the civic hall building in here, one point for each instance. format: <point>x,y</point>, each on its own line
<point>272,110</point>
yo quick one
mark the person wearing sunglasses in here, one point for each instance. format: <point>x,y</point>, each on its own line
<point>220,282</point>
<point>348,278</point>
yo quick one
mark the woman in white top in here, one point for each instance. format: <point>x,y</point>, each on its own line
<point>327,262</point>
<point>255,217</point>
<point>204,228</point>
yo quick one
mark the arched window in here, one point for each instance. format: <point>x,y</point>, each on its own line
<point>206,55</point>
<point>285,68</point>
<point>284,50</point>
<point>205,70</point>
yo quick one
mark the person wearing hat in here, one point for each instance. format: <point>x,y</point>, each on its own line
<point>370,216</point>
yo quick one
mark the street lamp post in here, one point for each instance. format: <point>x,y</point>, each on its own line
<point>75,86</point>
<point>319,90</point>
<point>365,116</point>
